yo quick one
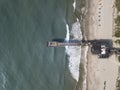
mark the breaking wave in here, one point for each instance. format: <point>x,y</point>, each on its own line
<point>74,5</point>
<point>74,52</point>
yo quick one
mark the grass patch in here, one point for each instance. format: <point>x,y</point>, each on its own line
<point>118,85</point>
<point>119,58</point>
<point>117,33</point>
<point>117,20</point>
<point>117,4</point>
<point>118,81</point>
<point>117,41</point>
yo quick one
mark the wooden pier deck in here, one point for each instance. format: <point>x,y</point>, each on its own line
<point>62,44</point>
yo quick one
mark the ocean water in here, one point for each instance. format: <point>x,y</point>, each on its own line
<point>26,63</point>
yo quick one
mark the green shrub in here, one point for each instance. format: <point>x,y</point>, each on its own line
<point>117,4</point>
<point>117,41</point>
<point>119,58</point>
<point>117,33</point>
<point>117,20</point>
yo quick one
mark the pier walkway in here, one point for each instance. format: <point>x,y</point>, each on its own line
<point>67,43</point>
<point>102,47</point>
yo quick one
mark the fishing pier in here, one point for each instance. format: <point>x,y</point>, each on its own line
<point>68,43</point>
<point>102,47</point>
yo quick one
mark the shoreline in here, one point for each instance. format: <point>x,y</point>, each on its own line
<point>101,74</point>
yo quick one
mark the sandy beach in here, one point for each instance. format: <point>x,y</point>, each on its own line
<point>102,73</point>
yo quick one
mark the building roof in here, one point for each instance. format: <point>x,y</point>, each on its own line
<point>102,48</point>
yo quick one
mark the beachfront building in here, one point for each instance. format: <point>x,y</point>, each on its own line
<point>102,48</point>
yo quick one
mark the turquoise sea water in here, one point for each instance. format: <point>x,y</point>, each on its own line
<point>26,63</point>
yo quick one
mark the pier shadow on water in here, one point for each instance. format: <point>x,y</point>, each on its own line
<point>63,40</point>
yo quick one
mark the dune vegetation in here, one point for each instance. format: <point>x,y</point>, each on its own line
<point>117,4</point>
<point>117,20</point>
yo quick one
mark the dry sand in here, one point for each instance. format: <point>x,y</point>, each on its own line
<point>102,73</point>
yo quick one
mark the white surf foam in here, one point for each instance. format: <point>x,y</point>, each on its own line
<point>74,5</point>
<point>74,52</point>
<point>67,34</point>
<point>74,61</point>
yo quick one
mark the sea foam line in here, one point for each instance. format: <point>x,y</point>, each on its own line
<point>74,5</point>
<point>74,52</point>
<point>67,34</point>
